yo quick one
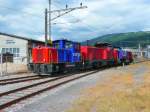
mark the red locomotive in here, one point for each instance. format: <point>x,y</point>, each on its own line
<point>65,55</point>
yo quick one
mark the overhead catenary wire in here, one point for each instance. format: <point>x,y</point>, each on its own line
<point>60,12</point>
<point>88,26</point>
<point>24,13</point>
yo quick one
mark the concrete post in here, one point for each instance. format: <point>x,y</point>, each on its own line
<point>1,62</point>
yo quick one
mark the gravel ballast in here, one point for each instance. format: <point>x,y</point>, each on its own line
<point>59,99</point>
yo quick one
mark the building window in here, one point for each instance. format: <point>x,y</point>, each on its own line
<point>3,50</point>
<point>14,51</point>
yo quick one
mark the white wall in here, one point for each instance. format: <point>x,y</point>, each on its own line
<point>11,42</point>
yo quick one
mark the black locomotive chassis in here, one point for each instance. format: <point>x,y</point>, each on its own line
<point>52,68</point>
<point>45,68</point>
<point>65,67</point>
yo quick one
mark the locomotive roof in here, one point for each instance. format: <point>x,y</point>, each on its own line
<point>65,40</point>
<point>20,37</point>
<point>103,44</point>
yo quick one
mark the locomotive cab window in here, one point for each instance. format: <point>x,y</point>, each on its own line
<point>77,47</point>
<point>68,45</point>
<point>56,45</point>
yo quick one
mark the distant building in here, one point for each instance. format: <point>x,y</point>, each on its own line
<point>20,47</point>
<point>138,53</point>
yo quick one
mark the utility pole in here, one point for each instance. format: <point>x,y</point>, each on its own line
<point>46,28</point>
<point>1,60</point>
<point>140,50</point>
<point>50,24</point>
<point>60,13</point>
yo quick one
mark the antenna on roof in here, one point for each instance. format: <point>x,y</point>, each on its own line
<point>66,6</point>
<point>81,4</point>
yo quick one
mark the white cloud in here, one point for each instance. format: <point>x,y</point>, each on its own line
<point>113,16</point>
<point>41,37</point>
<point>101,17</point>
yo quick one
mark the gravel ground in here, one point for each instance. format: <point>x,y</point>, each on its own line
<point>21,84</point>
<point>126,90</point>
<point>61,98</point>
<point>4,88</point>
<point>9,76</point>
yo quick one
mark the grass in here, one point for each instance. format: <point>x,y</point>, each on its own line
<point>116,94</point>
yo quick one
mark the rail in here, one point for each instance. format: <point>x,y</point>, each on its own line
<point>35,89</point>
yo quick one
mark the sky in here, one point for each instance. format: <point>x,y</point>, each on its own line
<point>26,18</point>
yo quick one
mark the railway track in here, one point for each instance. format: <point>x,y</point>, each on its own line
<point>17,78</point>
<point>20,79</point>
<point>15,96</point>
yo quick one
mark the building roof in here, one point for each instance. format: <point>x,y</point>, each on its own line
<point>20,37</point>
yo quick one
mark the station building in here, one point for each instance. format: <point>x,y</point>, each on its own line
<point>20,47</point>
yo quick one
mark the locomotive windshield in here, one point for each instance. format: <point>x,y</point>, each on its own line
<point>56,45</point>
<point>77,47</point>
<point>65,44</point>
<point>68,45</point>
